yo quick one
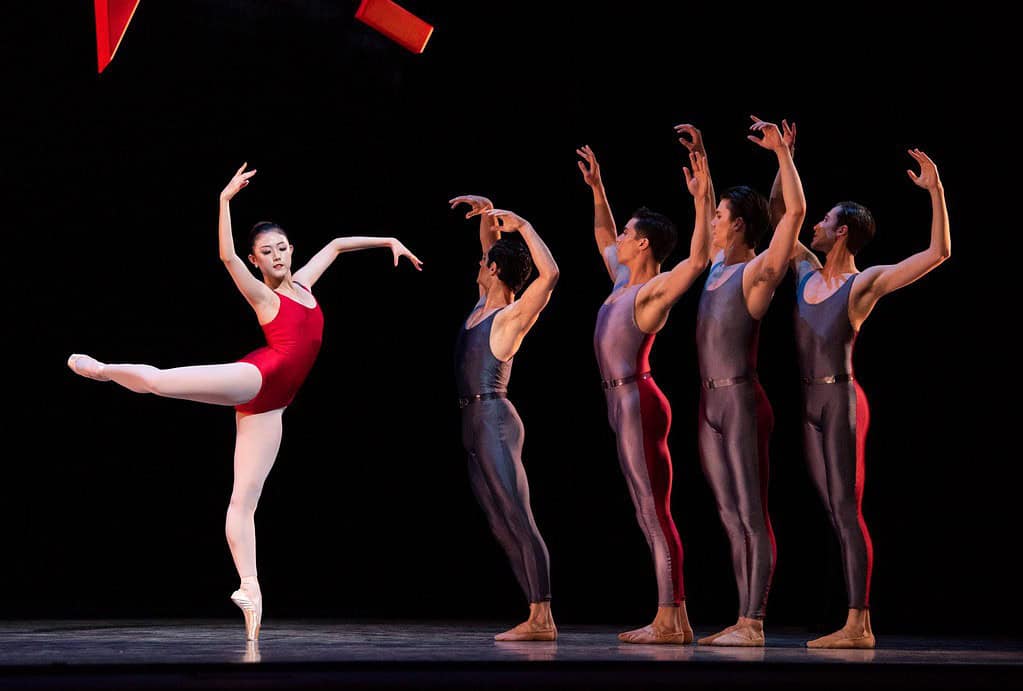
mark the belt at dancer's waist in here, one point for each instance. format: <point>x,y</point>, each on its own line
<point>609,384</point>
<point>730,381</point>
<point>833,379</point>
<point>469,400</point>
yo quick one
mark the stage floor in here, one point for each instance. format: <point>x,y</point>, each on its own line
<point>307,654</point>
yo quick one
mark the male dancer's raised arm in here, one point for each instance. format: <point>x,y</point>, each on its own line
<point>659,295</point>
<point>766,270</point>
<point>692,138</point>
<point>877,281</point>
<point>489,230</point>
<point>604,230</point>
<point>520,316</point>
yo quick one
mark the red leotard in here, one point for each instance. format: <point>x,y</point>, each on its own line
<point>293,340</point>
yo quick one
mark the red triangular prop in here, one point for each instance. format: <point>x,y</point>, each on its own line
<point>396,23</point>
<point>112,17</point>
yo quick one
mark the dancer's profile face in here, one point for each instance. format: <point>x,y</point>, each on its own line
<point>723,226</point>
<point>826,232</point>
<point>487,273</point>
<point>628,242</point>
<point>271,254</point>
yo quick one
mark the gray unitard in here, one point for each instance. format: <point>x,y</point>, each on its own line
<point>835,425</point>
<point>734,431</point>
<point>492,435</point>
<point>640,416</point>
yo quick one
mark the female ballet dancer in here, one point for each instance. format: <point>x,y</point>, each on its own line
<point>262,383</point>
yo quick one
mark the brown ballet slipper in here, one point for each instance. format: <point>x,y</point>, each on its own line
<point>843,639</point>
<point>648,635</point>
<point>746,634</point>
<point>529,631</point>
<point>709,640</point>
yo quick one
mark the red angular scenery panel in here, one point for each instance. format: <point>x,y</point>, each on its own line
<point>396,23</point>
<point>112,17</point>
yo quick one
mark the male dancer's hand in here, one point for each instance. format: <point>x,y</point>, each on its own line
<point>698,179</point>
<point>240,180</point>
<point>691,138</point>
<point>772,139</point>
<point>788,135</point>
<point>509,220</point>
<point>928,176</point>
<point>477,204</point>
<point>590,169</point>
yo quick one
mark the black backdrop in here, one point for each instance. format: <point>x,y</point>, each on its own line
<point>113,506</point>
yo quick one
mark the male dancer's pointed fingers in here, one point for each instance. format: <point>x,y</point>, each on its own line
<point>754,118</point>
<point>922,157</point>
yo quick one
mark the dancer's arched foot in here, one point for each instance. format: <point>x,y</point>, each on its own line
<point>670,626</point>
<point>747,633</point>
<point>539,627</point>
<point>529,631</point>
<point>87,367</point>
<point>709,640</point>
<point>250,601</point>
<point>843,639</point>
<point>653,634</point>
<point>855,634</point>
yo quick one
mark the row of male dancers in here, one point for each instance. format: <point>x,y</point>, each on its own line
<point>735,416</point>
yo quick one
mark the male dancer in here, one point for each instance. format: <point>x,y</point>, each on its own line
<point>832,303</point>
<point>492,431</point>
<point>735,415</point>
<point>639,413</point>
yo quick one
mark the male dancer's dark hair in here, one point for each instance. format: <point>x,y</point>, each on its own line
<point>513,263</point>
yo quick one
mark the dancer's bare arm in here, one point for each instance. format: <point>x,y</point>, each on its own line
<point>321,261</point>
<point>877,281</point>
<point>489,230</point>
<point>766,270</point>
<point>604,230</point>
<point>660,294</point>
<point>692,138</point>
<point>804,260</point>
<point>255,292</point>
<point>776,204</point>
<point>519,317</point>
